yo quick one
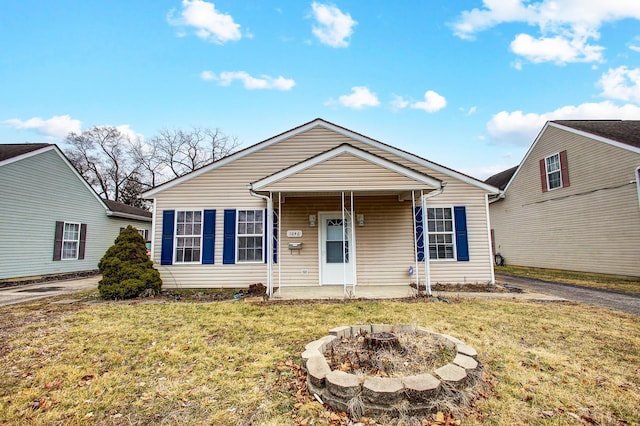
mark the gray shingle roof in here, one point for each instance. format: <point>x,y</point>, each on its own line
<point>623,131</point>
<point>500,180</point>
<point>117,207</point>
<point>11,150</point>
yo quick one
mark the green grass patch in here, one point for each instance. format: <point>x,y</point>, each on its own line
<point>622,284</point>
<point>225,363</point>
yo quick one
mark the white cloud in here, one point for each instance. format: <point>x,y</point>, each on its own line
<point>249,82</point>
<point>557,49</point>
<point>398,103</point>
<point>518,128</point>
<point>126,130</point>
<point>432,102</point>
<point>359,98</point>
<point>210,24</point>
<point>621,83</point>
<point>207,75</point>
<point>565,27</point>
<point>58,126</point>
<point>333,27</point>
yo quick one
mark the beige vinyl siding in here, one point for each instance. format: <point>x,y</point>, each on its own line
<point>593,225</point>
<point>35,192</point>
<point>226,187</point>
<point>345,171</point>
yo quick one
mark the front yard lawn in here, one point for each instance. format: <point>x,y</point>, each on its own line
<point>601,281</point>
<point>225,363</point>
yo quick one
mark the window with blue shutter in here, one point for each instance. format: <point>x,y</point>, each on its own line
<point>229,238</point>
<point>166,253</point>
<point>419,231</point>
<point>462,241</point>
<point>209,237</point>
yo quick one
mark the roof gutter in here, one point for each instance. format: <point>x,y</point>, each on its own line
<point>111,213</point>
<point>423,202</point>
<point>269,237</point>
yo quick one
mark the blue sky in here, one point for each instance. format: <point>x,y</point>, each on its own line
<point>467,84</point>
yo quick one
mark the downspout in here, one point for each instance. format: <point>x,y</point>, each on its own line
<point>427,268</point>
<point>269,238</point>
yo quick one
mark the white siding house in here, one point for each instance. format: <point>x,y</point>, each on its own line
<point>321,205</point>
<point>51,220</point>
<point>573,202</point>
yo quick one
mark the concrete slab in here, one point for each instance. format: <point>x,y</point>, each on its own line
<point>391,292</point>
<point>29,292</point>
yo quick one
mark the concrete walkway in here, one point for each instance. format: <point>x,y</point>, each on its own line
<point>591,296</point>
<point>29,292</point>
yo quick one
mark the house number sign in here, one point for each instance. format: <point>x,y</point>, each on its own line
<point>294,234</point>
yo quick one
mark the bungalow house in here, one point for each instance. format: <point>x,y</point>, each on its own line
<point>321,205</point>
<point>51,220</point>
<point>573,202</point>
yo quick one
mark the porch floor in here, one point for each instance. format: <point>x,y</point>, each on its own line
<point>337,292</point>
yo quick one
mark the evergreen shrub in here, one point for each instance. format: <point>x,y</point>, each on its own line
<point>126,269</point>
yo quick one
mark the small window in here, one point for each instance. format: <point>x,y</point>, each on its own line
<point>70,241</point>
<point>144,233</point>
<point>441,233</point>
<point>188,236</point>
<point>250,236</point>
<point>554,175</point>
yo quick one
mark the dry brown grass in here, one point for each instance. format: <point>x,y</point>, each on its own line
<point>227,362</point>
<point>621,284</point>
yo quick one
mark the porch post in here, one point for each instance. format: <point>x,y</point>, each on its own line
<point>352,250</point>
<point>269,237</point>
<point>415,237</point>
<point>427,268</point>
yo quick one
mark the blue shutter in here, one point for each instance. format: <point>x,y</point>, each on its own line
<point>275,236</point>
<point>229,242</point>
<point>166,254</point>
<point>419,221</point>
<point>208,237</point>
<point>462,242</point>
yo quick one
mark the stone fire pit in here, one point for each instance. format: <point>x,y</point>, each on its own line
<point>364,394</point>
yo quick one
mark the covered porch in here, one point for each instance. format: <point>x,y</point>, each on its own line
<point>346,221</point>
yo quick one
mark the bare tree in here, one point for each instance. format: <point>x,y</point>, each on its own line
<point>121,169</point>
<point>181,152</point>
<point>102,155</point>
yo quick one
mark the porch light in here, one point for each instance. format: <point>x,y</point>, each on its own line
<point>360,219</point>
<point>312,220</point>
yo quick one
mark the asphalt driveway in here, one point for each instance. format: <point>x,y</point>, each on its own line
<point>601,298</point>
<point>29,292</point>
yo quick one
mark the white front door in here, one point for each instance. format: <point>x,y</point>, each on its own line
<point>336,266</point>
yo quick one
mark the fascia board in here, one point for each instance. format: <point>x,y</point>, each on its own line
<point>398,168</point>
<point>596,137</point>
<point>26,155</point>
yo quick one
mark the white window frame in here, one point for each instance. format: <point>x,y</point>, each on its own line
<point>176,236</point>
<point>144,233</point>
<point>68,240</point>
<point>428,233</point>
<point>549,172</point>
<point>260,214</point>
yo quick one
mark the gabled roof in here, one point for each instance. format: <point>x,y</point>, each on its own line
<point>500,180</point>
<point>623,134</point>
<point>623,131</point>
<point>318,122</point>
<point>127,211</point>
<point>12,151</point>
<point>415,175</point>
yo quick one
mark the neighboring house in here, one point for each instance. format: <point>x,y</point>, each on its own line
<point>51,220</point>
<point>321,205</point>
<point>572,203</point>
